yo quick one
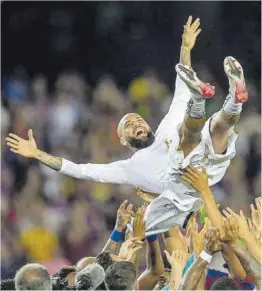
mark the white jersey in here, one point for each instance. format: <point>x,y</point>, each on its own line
<point>154,169</point>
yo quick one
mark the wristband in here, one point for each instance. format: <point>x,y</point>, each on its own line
<point>116,236</point>
<point>151,238</point>
<point>206,257</point>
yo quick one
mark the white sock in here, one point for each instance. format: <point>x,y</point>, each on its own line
<point>231,106</point>
<point>196,107</point>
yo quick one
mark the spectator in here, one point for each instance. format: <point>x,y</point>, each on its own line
<point>33,277</point>
<point>121,276</point>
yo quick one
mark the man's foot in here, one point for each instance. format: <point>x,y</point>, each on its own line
<point>197,87</point>
<point>235,74</point>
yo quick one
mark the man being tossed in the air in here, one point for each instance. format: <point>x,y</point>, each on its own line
<point>180,139</point>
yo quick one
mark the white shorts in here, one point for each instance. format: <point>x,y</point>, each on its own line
<point>174,204</point>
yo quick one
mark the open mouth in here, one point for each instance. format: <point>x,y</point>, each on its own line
<point>139,132</point>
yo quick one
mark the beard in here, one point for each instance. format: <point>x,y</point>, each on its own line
<point>141,144</point>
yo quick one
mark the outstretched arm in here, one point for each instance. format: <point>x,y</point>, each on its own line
<point>182,94</point>
<point>116,172</point>
<point>191,31</point>
<point>52,162</point>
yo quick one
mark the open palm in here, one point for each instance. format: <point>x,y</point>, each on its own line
<point>25,148</point>
<point>191,31</point>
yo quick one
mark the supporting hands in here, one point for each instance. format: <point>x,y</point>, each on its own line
<point>241,220</point>
<point>212,241</point>
<point>124,214</point>
<point>231,231</point>
<point>255,222</point>
<point>146,196</point>
<point>198,238</point>
<point>129,249</point>
<point>198,180</point>
<point>177,259</point>
<point>138,224</point>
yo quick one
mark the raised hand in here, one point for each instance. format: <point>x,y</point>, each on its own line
<point>129,248</point>
<point>124,214</point>
<point>256,213</point>
<point>212,241</point>
<point>241,220</point>
<point>198,180</point>
<point>178,259</point>
<point>255,222</point>
<point>191,31</point>
<point>146,196</point>
<point>231,231</point>
<point>25,148</point>
<point>138,224</point>
<point>198,238</point>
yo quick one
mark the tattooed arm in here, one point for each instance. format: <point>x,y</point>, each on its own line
<point>249,263</point>
<point>251,266</point>
<point>193,275</point>
<point>233,262</point>
<point>52,162</point>
<point>28,149</point>
<point>118,172</point>
<point>124,214</point>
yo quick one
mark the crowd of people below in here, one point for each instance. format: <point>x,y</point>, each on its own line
<point>206,255</point>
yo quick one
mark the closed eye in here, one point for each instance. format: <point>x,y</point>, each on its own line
<point>127,124</point>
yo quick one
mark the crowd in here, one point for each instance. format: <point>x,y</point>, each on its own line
<point>56,221</point>
<point>204,257</point>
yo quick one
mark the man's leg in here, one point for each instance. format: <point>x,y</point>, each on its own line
<point>230,113</point>
<point>195,115</point>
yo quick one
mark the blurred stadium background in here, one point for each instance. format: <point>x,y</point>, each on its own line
<point>70,70</point>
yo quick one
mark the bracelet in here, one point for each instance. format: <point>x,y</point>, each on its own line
<point>116,236</point>
<point>151,238</point>
<point>206,257</point>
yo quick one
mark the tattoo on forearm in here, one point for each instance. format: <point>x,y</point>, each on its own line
<point>50,161</point>
<point>250,265</point>
<point>193,275</point>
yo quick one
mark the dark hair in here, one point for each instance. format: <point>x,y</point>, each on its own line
<point>8,284</point>
<point>141,144</point>
<point>104,259</point>
<point>224,283</point>
<point>64,272</point>
<point>120,276</point>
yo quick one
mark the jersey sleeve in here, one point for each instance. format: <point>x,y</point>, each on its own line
<point>177,108</point>
<point>115,173</point>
